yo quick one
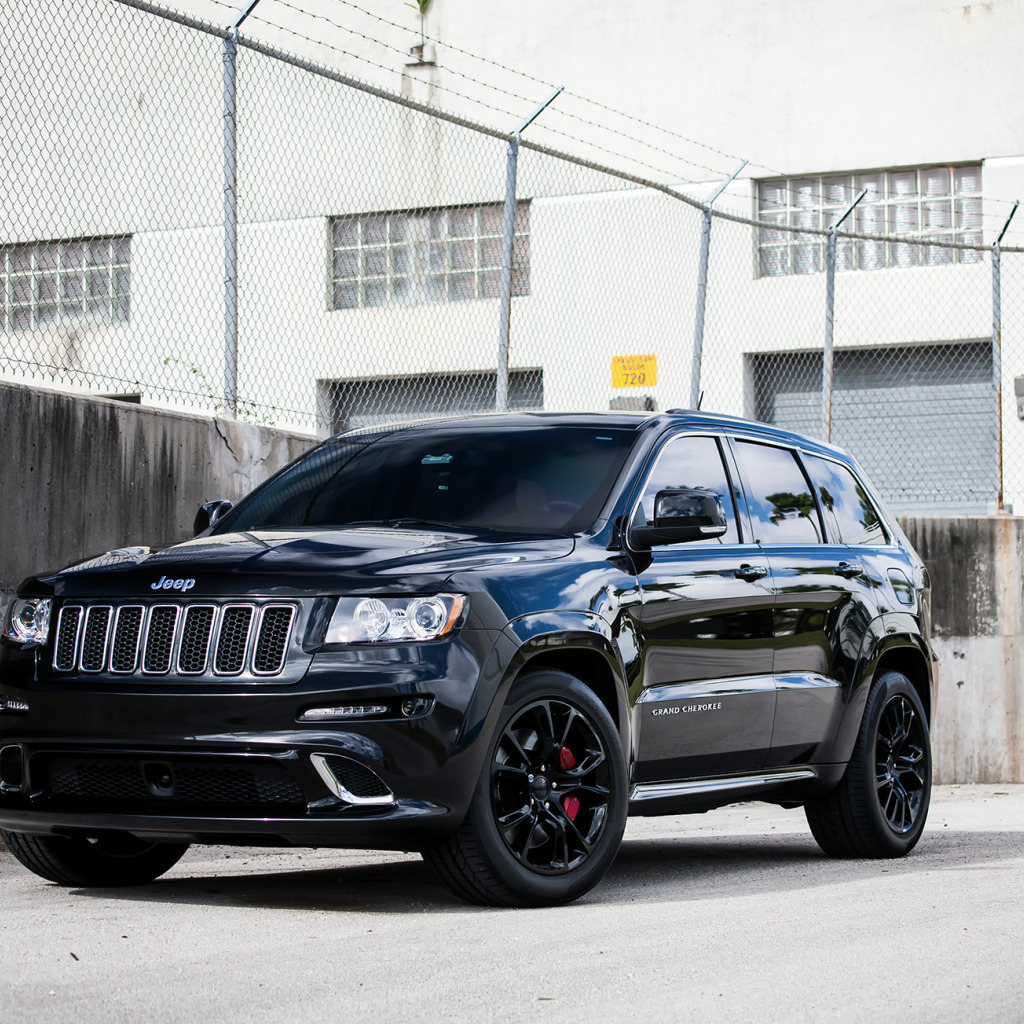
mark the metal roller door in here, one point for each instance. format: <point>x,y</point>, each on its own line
<point>921,419</point>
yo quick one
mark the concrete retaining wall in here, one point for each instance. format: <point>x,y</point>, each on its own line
<point>978,633</point>
<point>79,476</point>
<point>82,475</point>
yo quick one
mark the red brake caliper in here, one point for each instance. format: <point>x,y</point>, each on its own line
<point>570,804</point>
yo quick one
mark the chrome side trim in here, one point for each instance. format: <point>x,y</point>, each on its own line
<point>663,790</point>
<point>705,689</point>
<point>325,773</point>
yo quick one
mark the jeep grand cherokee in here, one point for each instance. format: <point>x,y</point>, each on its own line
<point>488,639</point>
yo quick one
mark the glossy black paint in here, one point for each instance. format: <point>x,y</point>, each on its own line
<point>725,663</point>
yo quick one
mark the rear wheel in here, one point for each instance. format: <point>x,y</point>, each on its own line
<point>107,859</point>
<point>548,813</point>
<point>880,806</point>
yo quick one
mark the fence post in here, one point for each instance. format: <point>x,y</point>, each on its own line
<point>229,54</point>
<point>997,347</point>
<point>830,296</point>
<point>229,50</point>
<point>507,240</point>
<point>702,286</point>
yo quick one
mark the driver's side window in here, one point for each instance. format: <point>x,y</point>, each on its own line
<point>695,463</point>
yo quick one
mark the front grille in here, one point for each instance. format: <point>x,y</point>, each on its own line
<point>174,639</point>
<point>234,636</point>
<point>206,782</point>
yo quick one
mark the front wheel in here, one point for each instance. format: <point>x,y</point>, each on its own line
<point>549,809</point>
<point>880,806</point>
<point>107,859</point>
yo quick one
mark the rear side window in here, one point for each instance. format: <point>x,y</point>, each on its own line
<point>693,462</point>
<point>844,503</point>
<point>778,496</point>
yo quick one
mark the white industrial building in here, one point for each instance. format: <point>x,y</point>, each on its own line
<point>369,233</point>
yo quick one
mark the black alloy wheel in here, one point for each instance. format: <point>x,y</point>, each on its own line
<point>551,784</point>
<point>880,806</point>
<point>549,808</point>
<point>900,760</point>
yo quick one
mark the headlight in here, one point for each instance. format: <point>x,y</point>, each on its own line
<point>28,621</point>
<point>360,620</point>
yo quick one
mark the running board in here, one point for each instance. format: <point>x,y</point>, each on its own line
<point>695,787</point>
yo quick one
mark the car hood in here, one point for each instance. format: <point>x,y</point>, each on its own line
<point>300,563</point>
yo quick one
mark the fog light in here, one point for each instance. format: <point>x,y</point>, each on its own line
<point>13,705</point>
<point>416,706</point>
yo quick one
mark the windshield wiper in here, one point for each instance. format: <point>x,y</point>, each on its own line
<point>412,521</point>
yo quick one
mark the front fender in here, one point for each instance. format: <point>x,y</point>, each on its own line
<point>564,639</point>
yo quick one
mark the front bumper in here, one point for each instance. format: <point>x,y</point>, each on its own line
<point>240,765</point>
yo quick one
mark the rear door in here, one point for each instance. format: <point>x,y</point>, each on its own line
<point>823,600</point>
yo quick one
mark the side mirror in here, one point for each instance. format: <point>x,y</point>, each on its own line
<point>208,515</point>
<point>680,514</point>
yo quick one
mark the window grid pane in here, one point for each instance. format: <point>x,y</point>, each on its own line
<point>931,203</point>
<point>65,282</point>
<point>423,257</point>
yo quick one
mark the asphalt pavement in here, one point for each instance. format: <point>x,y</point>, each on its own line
<point>730,916</point>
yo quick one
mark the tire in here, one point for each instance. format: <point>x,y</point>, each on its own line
<point>880,806</point>
<point>548,812</point>
<point>109,859</point>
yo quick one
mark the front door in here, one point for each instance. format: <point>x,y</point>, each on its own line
<point>705,699</point>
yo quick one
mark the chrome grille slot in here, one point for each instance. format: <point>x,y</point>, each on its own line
<point>65,651</point>
<point>272,638</point>
<point>192,642</point>
<point>195,638</point>
<point>160,630</point>
<point>124,651</point>
<point>94,638</point>
<point>233,639</point>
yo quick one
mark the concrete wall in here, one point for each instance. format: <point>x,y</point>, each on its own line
<point>79,476</point>
<point>82,475</point>
<point>978,633</point>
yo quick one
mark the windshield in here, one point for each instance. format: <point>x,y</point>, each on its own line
<point>548,478</point>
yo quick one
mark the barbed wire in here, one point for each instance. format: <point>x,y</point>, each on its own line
<point>551,85</point>
<point>848,192</point>
<point>512,115</point>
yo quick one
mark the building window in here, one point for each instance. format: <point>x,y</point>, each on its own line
<point>932,203</point>
<point>417,257</point>
<point>63,283</point>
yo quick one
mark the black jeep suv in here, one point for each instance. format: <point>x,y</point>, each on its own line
<point>488,639</point>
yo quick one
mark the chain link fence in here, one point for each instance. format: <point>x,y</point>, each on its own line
<point>309,225</point>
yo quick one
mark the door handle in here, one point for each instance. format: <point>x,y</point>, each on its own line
<point>848,570</point>
<point>750,573</point>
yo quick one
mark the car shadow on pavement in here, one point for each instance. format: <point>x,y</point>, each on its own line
<point>710,867</point>
<point>654,870</point>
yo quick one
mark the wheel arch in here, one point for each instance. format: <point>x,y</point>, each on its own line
<point>589,654</point>
<point>900,652</point>
<point>911,661</point>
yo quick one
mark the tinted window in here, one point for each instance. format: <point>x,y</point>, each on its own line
<point>844,503</point>
<point>548,479</point>
<point>694,462</point>
<point>778,496</point>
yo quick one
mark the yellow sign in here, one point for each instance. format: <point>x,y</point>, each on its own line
<point>634,371</point>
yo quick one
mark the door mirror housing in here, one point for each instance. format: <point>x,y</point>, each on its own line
<point>209,514</point>
<point>681,514</point>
